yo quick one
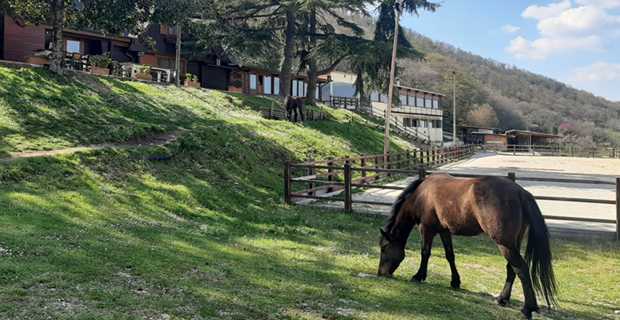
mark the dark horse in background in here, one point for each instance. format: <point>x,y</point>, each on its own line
<point>292,104</point>
<point>496,206</point>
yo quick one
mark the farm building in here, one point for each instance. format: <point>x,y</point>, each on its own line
<point>418,110</point>
<point>19,41</point>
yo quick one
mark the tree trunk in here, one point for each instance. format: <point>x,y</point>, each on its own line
<point>289,53</point>
<point>312,71</point>
<point>58,20</point>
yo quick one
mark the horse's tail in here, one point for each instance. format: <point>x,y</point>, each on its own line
<point>538,250</point>
<point>400,201</point>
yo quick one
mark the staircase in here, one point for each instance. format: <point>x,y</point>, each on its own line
<point>395,125</point>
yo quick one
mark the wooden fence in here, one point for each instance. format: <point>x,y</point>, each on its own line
<point>415,166</point>
<point>332,175</point>
<point>551,150</point>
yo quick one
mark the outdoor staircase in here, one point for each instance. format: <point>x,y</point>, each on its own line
<point>395,125</point>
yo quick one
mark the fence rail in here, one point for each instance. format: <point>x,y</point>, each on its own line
<point>553,150</point>
<point>420,160</point>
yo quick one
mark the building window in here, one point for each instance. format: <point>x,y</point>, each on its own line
<point>182,66</point>
<point>430,123</point>
<point>420,102</point>
<point>74,46</point>
<point>422,123</point>
<point>403,99</point>
<point>429,103</point>
<point>163,63</point>
<point>305,89</point>
<point>435,104</point>
<point>268,85</point>
<point>384,98</point>
<point>276,85</point>
<point>253,82</point>
<point>173,31</point>
<point>374,97</point>
<point>295,88</point>
<point>316,93</point>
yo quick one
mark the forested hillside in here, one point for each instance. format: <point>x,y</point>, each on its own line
<point>491,93</point>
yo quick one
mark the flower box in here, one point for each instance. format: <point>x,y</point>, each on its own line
<point>192,84</point>
<point>37,60</point>
<point>97,70</point>
<point>140,76</point>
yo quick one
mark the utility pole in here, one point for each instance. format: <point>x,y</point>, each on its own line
<point>177,65</point>
<point>454,111</point>
<point>386,147</point>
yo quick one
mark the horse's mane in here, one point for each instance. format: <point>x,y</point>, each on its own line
<point>400,202</point>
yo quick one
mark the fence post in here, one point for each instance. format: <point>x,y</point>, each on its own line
<point>512,176</point>
<point>348,205</point>
<point>408,158</point>
<point>363,164</point>
<point>399,166</point>
<point>617,209</point>
<point>422,173</point>
<point>271,111</point>
<point>311,172</point>
<point>331,176</point>
<point>388,163</point>
<point>287,182</point>
<point>495,147</point>
<point>377,162</point>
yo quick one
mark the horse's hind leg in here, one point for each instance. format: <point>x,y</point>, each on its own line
<point>520,267</point>
<point>446,239</point>
<point>427,245</point>
<point>504,297</point>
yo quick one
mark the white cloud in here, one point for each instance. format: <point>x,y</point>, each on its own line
<point>580,22</point>
<point>565,29</point>
<point>552,10</point>
<point>510,29</point>
<point>600,71</point>
<point>605,4</point>
<point>543,47</point>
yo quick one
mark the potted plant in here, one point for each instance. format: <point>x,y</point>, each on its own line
<point>191,80</point>
<point>40,60</point>
<point>144,73</point>
<point>99,64</point>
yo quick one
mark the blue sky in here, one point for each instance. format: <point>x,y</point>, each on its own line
<point>572,41</point>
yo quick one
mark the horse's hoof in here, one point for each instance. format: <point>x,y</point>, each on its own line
<point>455,284</point>
<point>526,314</point>
<point>501,301</point>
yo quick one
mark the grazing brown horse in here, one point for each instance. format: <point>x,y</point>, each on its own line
<point>292,104</point>
<point>496,206</point>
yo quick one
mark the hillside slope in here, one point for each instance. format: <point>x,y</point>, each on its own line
<point>106,234</point>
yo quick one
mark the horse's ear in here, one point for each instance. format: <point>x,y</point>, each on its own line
<point>386,235</point>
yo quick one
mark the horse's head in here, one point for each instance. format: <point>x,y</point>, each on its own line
<point>392,254</point>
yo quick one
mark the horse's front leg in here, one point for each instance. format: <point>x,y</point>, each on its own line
<point>427,245</point>
<point>446,238</point>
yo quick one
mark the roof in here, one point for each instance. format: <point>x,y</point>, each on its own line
<point>494,134</point>
<point>419,90</point>
<point>534,134</point>
<point>475,127</point>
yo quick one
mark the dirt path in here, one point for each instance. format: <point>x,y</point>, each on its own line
<point>156,140</point>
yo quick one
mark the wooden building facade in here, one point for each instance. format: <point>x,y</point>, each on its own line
<point>214,70</point>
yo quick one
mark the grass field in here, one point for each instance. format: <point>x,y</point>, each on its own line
<point>104,234</point>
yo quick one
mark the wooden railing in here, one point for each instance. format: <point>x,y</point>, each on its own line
<point>551,150</point>
<point>407,132</point>
<point>332,175</point>
<point>416,166</point>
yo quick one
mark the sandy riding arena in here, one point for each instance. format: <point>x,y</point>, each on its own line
<point>540,167</point>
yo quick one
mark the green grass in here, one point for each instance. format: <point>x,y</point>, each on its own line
<point>103,234</point>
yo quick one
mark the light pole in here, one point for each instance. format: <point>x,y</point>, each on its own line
<point>454,111</point>
<point>388,111</point>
